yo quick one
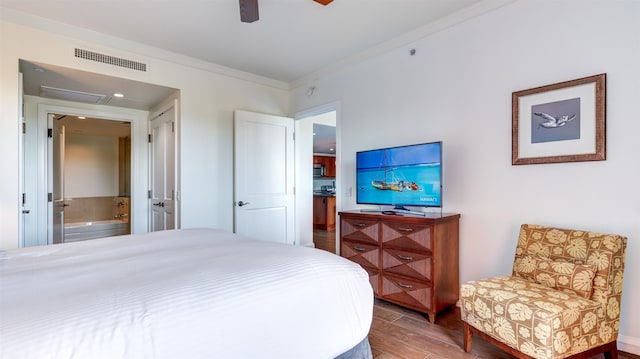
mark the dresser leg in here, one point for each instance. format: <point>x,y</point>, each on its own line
<point>431,317</point>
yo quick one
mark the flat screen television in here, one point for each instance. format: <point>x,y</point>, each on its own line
<point>400,176</point>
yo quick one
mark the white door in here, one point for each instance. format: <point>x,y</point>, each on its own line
<point>58,139</point>
<point>23,217</point>
<point>264,177</point>
<point>162,172</point>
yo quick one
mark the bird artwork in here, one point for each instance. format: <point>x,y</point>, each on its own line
<point>553,121</point>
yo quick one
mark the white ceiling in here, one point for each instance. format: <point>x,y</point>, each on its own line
<point>78,85</point>
<point>292,39</point>
<point>324,139</point>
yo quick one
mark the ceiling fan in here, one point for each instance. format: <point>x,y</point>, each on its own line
<point>249,9</point>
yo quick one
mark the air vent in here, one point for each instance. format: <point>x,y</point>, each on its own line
<point>70,95</point>
<point>111,60</point>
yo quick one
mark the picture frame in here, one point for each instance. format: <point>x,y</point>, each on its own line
<point>562,122</point>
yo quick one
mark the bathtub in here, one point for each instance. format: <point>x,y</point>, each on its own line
<point>80,231</point>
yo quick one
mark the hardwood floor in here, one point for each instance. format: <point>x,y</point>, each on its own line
<point>397,332</point>
<point>325,240</point>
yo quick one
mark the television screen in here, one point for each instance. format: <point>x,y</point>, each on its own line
<point>400,176</point>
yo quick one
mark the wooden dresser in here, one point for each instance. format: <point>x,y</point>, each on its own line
<point>412,260</point>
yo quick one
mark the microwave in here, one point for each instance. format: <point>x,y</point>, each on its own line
<point>318,170</point>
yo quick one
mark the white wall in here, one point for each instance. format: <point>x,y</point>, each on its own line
<point>457,88</point>
<point>90,166</point>
<point>209,95</point>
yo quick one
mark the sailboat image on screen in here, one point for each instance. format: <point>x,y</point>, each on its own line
<point>390,181</point>
<point>400,176</point>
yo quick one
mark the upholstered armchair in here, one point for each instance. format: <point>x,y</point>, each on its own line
<point>562,299</point>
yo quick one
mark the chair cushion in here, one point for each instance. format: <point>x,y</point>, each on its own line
<point>532,318</point>
<point>565,276</point>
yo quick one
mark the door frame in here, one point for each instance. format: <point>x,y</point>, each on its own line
<point>138,161</point>
<point>304,203</point>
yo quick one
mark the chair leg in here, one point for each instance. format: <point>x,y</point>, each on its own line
<point>467,336</point>
<point>612,353</point>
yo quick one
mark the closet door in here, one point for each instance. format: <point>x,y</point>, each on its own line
<point>57,193</point>
<point>162,172</point>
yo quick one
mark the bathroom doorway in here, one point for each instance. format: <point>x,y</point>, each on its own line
<point>90,178</point>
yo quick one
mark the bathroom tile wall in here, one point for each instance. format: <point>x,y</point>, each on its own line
<point>88,209</point>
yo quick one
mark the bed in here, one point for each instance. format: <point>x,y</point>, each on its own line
<point>192,293</point>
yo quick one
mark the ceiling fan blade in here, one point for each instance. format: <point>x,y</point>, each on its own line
<point>249,10</point>
<point>323,2</point>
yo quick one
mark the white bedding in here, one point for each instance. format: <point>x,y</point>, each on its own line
<point>194,293</point>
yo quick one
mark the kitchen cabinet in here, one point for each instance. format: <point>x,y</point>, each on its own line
<point>329,163</point>
<point>324,213</point>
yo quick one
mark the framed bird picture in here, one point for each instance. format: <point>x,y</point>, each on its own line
<point>563,122</point>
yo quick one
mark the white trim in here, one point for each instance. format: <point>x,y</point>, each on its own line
<point>629,344</point>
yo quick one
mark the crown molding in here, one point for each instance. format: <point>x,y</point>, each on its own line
<point>97,38</point>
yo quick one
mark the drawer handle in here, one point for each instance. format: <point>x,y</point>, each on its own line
<point>406,286</point>
<point>359,249</point>
<point>405,229</point>
<point>405,258</point>
<point>359,224</point>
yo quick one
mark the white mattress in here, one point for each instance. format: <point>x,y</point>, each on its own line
<point>194,293</point>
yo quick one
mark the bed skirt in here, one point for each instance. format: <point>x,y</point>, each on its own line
<point>362,350</point>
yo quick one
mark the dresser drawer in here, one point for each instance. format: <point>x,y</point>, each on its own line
<point>411,293</point>
<point>411,260</point>
<point>417,237</point>
<point>416,265</point>
<point>360,229</point>
<point>365,254</point>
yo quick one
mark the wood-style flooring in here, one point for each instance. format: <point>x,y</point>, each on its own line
<point>397,332</point>
<point>325,240</point>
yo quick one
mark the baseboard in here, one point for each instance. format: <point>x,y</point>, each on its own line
<point>629,344</point>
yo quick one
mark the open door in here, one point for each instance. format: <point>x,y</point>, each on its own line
<point>24,210</point>
<point>162,195</point>
<point>264,177</point>
<point>57,193</point>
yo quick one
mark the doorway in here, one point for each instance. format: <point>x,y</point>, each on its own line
<point>316,146</point>
<point>90,178</point>
<point>50,89</point>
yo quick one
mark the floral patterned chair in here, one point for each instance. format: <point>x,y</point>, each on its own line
<point>561,301</point>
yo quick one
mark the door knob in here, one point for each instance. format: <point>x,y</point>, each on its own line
<point>242,203</point>
<point>26,211</point>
